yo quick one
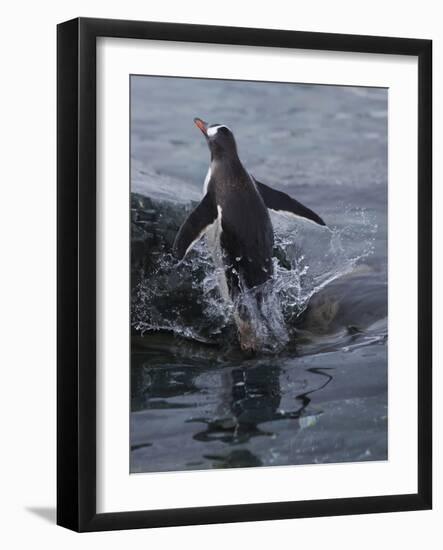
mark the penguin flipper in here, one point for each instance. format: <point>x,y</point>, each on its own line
<point>276,200</point>
<point>195,225</point>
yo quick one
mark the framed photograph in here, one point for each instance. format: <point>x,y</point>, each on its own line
<point>244,274</point>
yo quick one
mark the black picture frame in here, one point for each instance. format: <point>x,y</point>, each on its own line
<point>76,279</point>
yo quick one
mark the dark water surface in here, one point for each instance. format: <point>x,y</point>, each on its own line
<point>318,393</point>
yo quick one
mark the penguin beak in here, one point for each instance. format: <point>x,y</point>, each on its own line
<point>202,125</point>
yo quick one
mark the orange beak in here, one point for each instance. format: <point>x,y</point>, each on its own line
<point>202,125</point>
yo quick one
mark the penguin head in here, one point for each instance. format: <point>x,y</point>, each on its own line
<point>219,138</point>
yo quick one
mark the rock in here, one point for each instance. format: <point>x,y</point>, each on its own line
<point>154,225</point>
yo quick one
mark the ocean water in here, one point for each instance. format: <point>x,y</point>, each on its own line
<point>317,390</point>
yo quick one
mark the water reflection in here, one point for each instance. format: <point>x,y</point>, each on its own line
<point>224,408</point>
<point>253,396</point>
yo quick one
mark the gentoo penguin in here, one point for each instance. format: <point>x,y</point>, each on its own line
<point>234,214</point>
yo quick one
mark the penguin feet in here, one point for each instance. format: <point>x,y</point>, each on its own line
<point>247,331</point>
<point>249,343</point>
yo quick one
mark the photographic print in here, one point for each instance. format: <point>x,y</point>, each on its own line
<point>225,201</point>
<point>258,274</point>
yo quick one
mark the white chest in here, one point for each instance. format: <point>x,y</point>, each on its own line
<point>206,183</point>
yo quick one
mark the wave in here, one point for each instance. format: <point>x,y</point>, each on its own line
<point>183,297</point>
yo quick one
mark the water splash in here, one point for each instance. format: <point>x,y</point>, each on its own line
<point>183,297</point>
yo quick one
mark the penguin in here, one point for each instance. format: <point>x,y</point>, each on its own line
<point>234,215</point>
